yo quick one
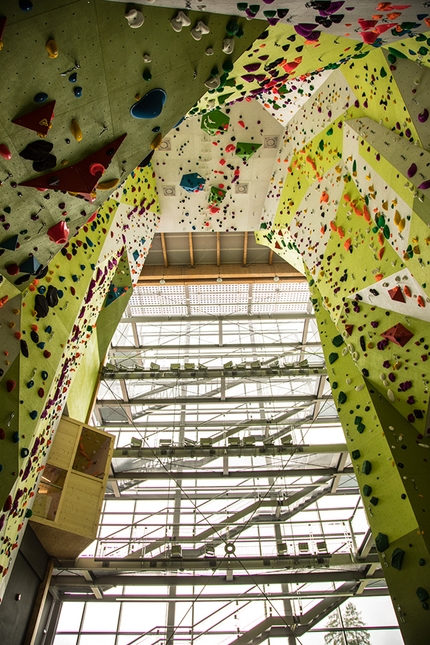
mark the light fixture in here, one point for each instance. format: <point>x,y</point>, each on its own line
<point>162,281</point>
<point>219,279</point>
<point>275,278</point>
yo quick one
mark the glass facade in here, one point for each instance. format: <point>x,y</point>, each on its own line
<point>232,513</point>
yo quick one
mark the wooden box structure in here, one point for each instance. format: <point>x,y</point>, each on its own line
<point>70,494</point>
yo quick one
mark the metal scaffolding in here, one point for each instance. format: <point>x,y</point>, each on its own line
<point>232,513</point>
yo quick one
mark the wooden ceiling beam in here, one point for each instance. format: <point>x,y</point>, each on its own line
<point>190,243</point>
<point>271,254</point>
<point>208,273</point>
<point>245,248</point>
<point>164,248</point>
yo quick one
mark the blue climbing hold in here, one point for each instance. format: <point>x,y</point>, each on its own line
<point>44,375</point>
<point>78,91</point>
<point>73,77</point>
<point>24,452</point>
<point>40,97</point>
<point>25,5</point>
<point>15,437</point>
<point>30,384</point>
<point>150,105</point>
<point>33,414</point>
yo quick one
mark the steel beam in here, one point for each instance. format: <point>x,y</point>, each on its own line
<point>113,579</point>
<point>173,452</point>
<point>229,400</point>
<point>209,318</point>
<point>131,475</point>
<point>267,373</point>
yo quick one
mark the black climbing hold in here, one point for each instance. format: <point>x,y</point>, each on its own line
<point>24,348</point>
<point>397,558</point>
<point>382,542</point>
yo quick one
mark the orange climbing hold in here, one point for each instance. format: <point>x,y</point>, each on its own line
<point>407,291</point>
<point>347,244</point>
<point>341,232</point>
<point>421,302</point>
<point>333,226</point>
<point>381,253</point>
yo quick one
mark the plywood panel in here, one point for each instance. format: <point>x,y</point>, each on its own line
<point>79,510</point>
<point>58,543</point>
<point>64,445</point>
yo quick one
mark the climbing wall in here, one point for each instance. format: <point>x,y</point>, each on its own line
<point>98,89</point>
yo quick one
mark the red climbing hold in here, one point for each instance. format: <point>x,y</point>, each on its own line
<point>396,294</point>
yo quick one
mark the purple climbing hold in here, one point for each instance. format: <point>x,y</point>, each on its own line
<point>423,116</point>
<point>424,185</point>
<point>412,170</point>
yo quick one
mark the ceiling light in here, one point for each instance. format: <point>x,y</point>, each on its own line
<point>219,279</point>
<point>162,281</point>
<point>275,278</point>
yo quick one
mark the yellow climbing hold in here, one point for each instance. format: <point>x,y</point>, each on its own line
<point>157,141</point>
<point>51,48</point>
<point>76,130</point>
<point>107,185</point>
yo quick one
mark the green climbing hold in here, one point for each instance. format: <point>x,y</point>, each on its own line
<point>361,428</point>
<point>356,454</point>
<point>396,52</point>
<point>366,468</point>
<point>382,542</point>
<point>367,490</point>
<point>358,420</point>
<point>334,385</point>
<point>383,73</point>
<point>374,501</point>
<point>333,358</point>
<point>338,341</point>
<point>342,398</point>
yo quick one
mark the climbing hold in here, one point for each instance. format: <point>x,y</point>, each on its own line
<point>146,75</point>
<point>73,77</point>
<point>367,490</point>
<point>5,152</point>
<point>157,141</point>
<point>192,182</point>
<point>24,452</point>
<point>107,185</point>
<point>134,18</point>
<point>423,116</point>
<point>333,358</point>
<point>179,21</point>
<point>228,45</point>
<point>342,398</point>
<point>10,385</point>
<point>76,130</point>
<point>397,558</point>
<point>59,233</point>
<point>398,334</point>
<point>150,105</point>
<point>77,91</point>
<point>199,30</point>
<point>366,467</point>
<point>51,48</point>
<point>25,5</point>
<point>38,120</point>
<point>40,97</point>
<point>412,170</point>
<point>356,454</point>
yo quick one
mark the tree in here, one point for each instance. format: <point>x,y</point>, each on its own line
<point>350,618</point>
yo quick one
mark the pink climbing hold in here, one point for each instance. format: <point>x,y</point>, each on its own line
<point>412,170</point>
<point>424,185</point>
<point>59,233</point>
<point>368,37</point>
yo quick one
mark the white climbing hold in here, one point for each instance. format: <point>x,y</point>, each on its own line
<point>213,82</point>
<point>134,18</point>
<point>391,395</point>
<point>179,21</point>
<point>348,381</point>
<point>344,351</point>
<point>209,51</point>
<point>383,377</point>
<point>228,45</point>
<point>199,30</point>
<point>358,388</point>
<point>147,58</point>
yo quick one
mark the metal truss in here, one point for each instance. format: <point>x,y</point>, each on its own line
<point>231,490</point>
